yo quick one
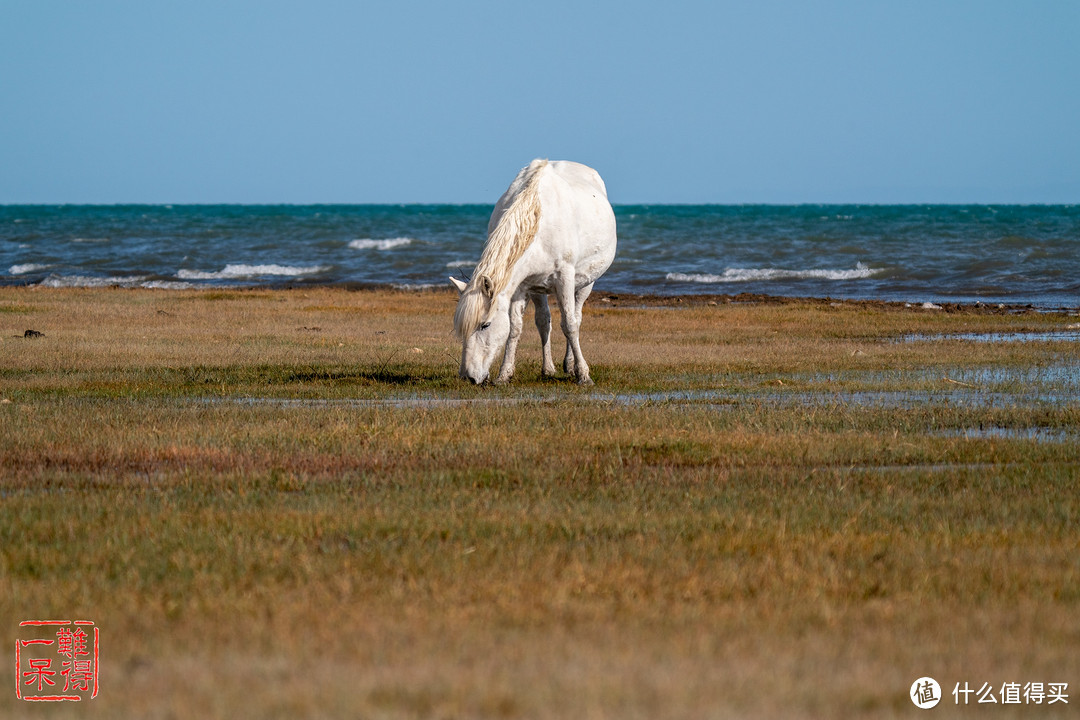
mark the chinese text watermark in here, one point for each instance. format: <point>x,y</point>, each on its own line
<point>56,660</point>
<point>926,693</point>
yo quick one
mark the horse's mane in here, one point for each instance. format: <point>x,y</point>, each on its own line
<point>505,246</point>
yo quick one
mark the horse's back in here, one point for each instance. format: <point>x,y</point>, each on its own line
<point>582,178</point>
<point>573,182</point>
<point>577,219</point>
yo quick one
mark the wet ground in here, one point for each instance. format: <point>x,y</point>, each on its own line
<point>983,388</point>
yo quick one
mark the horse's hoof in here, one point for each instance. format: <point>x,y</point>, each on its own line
<point>585,381</point>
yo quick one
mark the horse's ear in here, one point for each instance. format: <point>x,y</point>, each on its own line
<point>458,284</point>
<point>487,286</point>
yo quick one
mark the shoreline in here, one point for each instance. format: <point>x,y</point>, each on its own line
<point>620,299</point>
<point>615,299</point>
<point>700,299</point>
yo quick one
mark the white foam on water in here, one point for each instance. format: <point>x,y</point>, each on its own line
<point>387,244</point>
<point>239,271</point>
<point>168,285</point>
<point>128,281</point>
<point>734,275</point>
<point>27,268</point>
<point>418,286</point>
<point>74,281</point>
<point>460,263</point>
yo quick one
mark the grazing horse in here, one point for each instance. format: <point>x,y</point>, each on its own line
<point>552,231</point>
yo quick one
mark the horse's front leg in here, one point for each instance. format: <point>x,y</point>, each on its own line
<point>571,302</point>
<point>542,316</point>
<point>517,314</point>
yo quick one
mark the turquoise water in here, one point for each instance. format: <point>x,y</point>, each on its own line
<point>1010,254</point>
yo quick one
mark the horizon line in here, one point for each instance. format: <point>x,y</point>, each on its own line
<point>168,205</point>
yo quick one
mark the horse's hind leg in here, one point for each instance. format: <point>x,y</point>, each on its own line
<point>542,317</point>
<point>517,315</point>
<point>570,303</point>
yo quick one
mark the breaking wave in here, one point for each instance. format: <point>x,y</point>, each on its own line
<point>735,275</point>
<point>26,268</point>
<point>127,281</point>
<point>234,272</point>
<point>388,244</point>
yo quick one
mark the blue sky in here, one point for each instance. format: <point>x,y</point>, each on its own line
<point>356,102</point>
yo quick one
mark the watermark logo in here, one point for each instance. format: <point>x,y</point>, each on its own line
<point>925,693</point>
<point>1013,693</point>
<point>56,660</point>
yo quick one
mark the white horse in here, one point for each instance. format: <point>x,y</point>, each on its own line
<point>553,230</point>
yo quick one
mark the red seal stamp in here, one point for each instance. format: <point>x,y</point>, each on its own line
<point>57,660</point>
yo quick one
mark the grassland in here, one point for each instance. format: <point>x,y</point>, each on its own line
<point>285,504</point>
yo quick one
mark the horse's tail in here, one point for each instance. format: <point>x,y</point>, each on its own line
<point>506,244</point>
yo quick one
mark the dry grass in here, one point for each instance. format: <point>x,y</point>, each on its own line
<point>274,506</point>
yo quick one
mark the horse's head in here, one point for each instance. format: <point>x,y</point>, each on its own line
<point>482,321</point>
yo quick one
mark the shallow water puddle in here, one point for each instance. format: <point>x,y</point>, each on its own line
<point>1065,378</point>
<point>717,399</point>
<point>1068,335</point>
<point>403,402</point>
<point>1054,383</point>
<point>1040,434</point>
<point>961,395</point>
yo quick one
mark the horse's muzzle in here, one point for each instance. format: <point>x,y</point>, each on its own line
<point>475,381</point>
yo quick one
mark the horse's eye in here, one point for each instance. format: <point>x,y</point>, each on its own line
<point>485,326</point>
